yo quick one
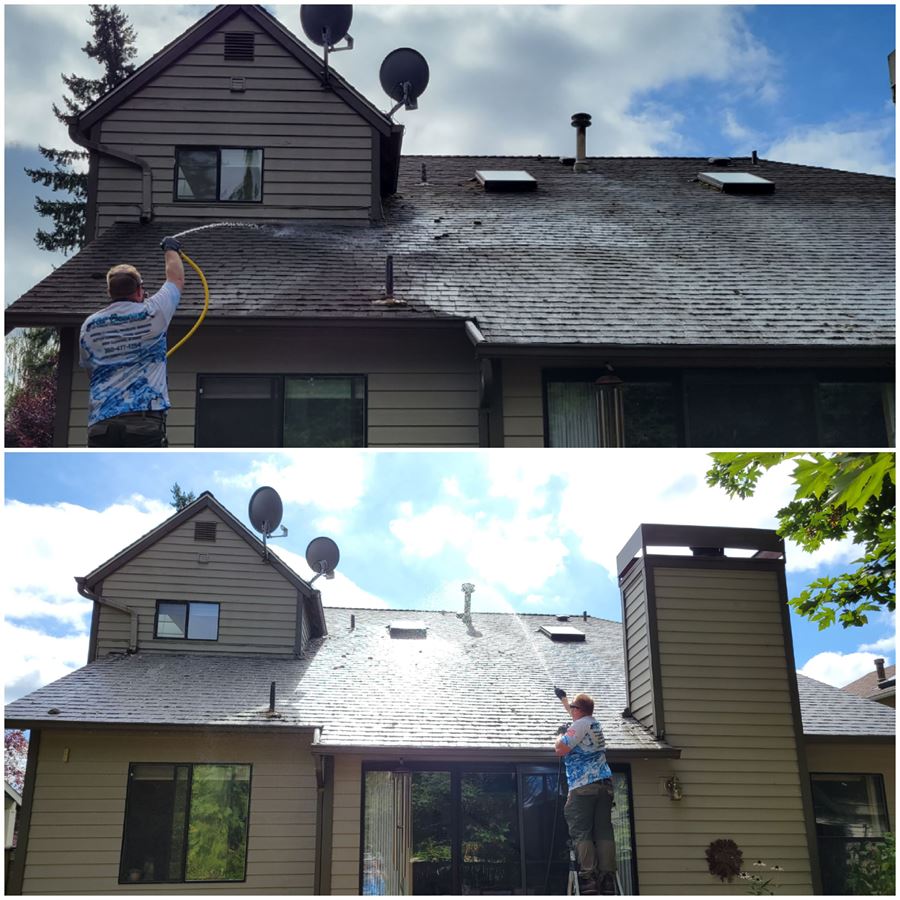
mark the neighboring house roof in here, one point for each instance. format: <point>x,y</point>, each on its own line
<point>206,501</point>
<point>454,690</point>
<point>12,793</point>
<point>635,254</point>
<point>831,712</point>
<point>867,686</point>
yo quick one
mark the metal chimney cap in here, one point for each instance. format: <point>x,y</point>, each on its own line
<point>581,120</point>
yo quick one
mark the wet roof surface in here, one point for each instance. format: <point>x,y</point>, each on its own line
<point>636,251</point>
<point>484,687</point>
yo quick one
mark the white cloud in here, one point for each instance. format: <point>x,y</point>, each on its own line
<point>839,669</point>
<point>337,591</point>
<point>34,658</point>
<point>884,646</point>
<point>735,130</point>
<point>334,482</point>
<point>836,146</point>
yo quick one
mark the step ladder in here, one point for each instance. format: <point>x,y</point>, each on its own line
<point>573,888</point>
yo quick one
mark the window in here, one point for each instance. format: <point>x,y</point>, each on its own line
<point>281,411</point>
<point>194,621</point>
<point>218,175</point>
<point>475,829</point>
<point>185,823</point>
<point>849,810</point>
<point>726,408</point>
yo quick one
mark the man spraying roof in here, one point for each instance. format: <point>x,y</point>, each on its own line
<point>589,805</point>
<point>124,346</point>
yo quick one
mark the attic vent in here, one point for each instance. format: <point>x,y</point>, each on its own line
<point>205,531</point>
<point>499,180</point>
<point>562,633</point>
<point>737,182</point>
<point>239,44</point>
<point>410,629</point>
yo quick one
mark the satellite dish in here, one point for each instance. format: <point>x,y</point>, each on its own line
<point>326,24</point>
<point>265,510</point>
<point>322,556</point>
<point>404,77</point>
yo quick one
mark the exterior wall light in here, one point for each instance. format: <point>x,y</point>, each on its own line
<point>673,788</point>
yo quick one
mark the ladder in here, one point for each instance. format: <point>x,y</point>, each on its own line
<point>572,888</point>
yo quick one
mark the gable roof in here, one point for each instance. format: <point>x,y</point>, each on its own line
<point>484,689</point>
<point>207,501</point>
<point>634,255</point>
<point>198,32</point>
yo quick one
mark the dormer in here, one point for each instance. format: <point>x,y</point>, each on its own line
<point>200,583</point>
<point>234,121</point>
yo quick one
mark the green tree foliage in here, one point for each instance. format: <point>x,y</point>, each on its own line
<point>871,868</point>
<point>837,496</point>
<point>181,499</point>
<point>113,48</point>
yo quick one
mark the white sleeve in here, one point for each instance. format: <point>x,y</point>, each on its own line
<point>162,306</point>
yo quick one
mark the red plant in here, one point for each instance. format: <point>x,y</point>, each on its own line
<point>30,414</point>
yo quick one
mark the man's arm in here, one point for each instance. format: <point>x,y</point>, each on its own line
<point>175,269</point>
<point>562,748</point>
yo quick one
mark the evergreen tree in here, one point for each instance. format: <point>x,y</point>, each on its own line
<point>180,498</point>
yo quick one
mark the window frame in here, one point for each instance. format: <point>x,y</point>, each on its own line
<point>187,619</point>
<point>277,385</point>
<point>217,149</point>
<point>459,768</point>
<point>187,821</point>
<point>682,378</point>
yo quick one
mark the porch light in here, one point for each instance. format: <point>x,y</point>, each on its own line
<point>610,410</point>
<point>673,788</point>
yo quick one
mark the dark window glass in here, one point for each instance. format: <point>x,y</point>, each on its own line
<point>238,412</point>
<point>240,175</point>
<point>323,411</point>
<point>850,810</point>
<point>185,823</point>
<point>730,413</point>
<point>853,415</point>
<point>196,174</point>
<point>171,620</point>
<point>490,834</point>
<point>431,834</point>
<point>546,860</point>
<point>195,621</point>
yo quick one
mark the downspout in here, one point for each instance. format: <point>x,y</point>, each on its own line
<point>112,604</point>
<point>82,140</point>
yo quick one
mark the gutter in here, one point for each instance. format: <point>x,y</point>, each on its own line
<point>473,332</point>
<point>82,140</point>
<point>112,604</point>
<point>510,754</point>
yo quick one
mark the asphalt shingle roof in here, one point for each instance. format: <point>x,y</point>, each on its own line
<point>867,686</point>
<point>489,687</point>
<point>635,253</point>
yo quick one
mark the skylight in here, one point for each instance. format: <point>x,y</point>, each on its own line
<point>562,633</point>
<point>737,182</point>
<point>410,628</point>
<point>500,180</point>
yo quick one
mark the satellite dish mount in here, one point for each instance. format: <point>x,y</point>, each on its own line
<point>265,515</point>
<point>322,556</point>
<point>327,25</point>
<point>404,76</point>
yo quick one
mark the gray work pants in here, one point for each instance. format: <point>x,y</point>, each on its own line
<point>589,817</point>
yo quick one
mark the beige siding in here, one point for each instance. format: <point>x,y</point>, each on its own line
<point>726,697</point>
<point>258,606</point>
<point>861,758</point>
<point>79,809</point>
<point>523,404</point>
<point>346,828</point>
<point>422,384</point>
<point>637,648</point>
<point>317,150</point>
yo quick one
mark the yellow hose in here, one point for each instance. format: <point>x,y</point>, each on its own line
<point>196,324</point>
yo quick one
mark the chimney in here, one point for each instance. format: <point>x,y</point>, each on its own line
<point>580,122</point>
<point>879,668</point>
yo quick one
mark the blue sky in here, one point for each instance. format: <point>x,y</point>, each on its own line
<point>535,531</point>
<point>804,84</point>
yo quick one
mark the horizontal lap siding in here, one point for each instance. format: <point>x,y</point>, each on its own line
<point>79,809</point>
<point>523,405</point>
<point>317,150</point>
<point>636,626</point>
<point>258,606</point>
<point>422,384</point>
<point>346,826</point>
<point>726,696</point>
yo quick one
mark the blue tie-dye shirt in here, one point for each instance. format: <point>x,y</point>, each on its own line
<point>586,761</point>
<point>124,346</point>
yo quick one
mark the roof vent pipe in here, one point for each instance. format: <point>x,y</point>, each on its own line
<point>879,668</point>
<point>580,122</point>
<point>754,158</point>
<point>466,614</point>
